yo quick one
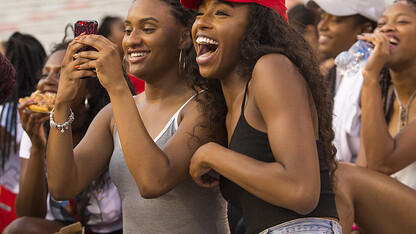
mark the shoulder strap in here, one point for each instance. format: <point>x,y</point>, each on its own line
<point>244,98</point>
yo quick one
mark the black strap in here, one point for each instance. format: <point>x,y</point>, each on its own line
<point>244,98</point>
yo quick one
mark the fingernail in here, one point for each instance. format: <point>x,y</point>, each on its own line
<point>77,66</point>
<point>76,38</point>
<point>75,56</point>
<point>82,34</point>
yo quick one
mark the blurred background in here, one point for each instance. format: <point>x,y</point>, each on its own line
<point>46,19</point>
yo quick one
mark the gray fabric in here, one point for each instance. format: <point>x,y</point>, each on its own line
<point>186,209</point>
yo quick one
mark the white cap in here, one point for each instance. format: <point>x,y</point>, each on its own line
<point>371,9</point>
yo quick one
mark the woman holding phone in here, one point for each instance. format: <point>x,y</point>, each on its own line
<point>279,165</point>
<point>147,140</point>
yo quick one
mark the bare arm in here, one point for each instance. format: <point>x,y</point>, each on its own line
<point>155,171</point>
<point>71,170</point>
<point>383,152</point>
<point>31,199</point>
<point>281,97</point>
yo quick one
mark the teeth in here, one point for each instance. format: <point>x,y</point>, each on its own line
<point>202,56</point>
<point>206,40</point>
<point>394,41</point>
<point>139,54</point>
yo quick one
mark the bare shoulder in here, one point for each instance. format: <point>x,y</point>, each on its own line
<point>276,71</point>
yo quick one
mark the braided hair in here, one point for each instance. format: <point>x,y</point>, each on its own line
<point>27,56</point>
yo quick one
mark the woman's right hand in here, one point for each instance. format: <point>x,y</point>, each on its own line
<point>380,54</point>
<point>32,123</point>
<point>70,76</point>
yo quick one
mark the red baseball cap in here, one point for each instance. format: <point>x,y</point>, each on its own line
<point>277,5</point>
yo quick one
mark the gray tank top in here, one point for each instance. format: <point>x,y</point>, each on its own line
<point>187,208</point>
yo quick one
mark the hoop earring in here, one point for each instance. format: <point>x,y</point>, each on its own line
<point>87,105</point>
<point>182,63</point>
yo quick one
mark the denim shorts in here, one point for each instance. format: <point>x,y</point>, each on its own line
<point>306,226</point>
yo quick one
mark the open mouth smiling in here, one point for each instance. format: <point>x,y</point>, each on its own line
<point>206,47</point>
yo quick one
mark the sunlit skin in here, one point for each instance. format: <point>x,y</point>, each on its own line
<point>154,33</point>
<point>274,79</point>
<point>363,192</point>
<point>223,26</point>
<point>152,42</point>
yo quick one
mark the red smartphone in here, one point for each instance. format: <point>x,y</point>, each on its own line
<point>87,27</point>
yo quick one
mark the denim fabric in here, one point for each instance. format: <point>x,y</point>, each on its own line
<point>306,226</point>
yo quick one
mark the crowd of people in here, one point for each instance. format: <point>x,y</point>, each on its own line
<point>215,116</point>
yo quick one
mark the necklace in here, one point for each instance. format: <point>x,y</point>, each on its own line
<point>404,110</point>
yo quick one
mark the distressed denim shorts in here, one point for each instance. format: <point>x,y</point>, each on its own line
<point>306,226</point>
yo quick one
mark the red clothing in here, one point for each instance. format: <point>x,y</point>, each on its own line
<point>7,212</point>
<point>137,83</point>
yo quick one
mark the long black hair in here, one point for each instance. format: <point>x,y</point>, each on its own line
<point>212,99</point>
<point>27,56</point>
<point>269,33</point>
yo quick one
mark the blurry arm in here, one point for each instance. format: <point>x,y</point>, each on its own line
<point>31,199</point>
<point>383,152</point>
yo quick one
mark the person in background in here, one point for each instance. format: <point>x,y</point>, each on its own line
<point>113,29</point>
<point>341,22</point>
<point>305,20</point>
<point>3,47</point>
<point>7,78</point>
<point>278,118</point>
<point>97,207</point>
<point>381,198</point>
<point>147,140</point>
<point>27,56</point>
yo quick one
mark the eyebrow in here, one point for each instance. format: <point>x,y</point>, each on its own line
<point>144,20</point>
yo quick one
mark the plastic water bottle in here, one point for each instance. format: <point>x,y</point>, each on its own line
<point>351,61</point>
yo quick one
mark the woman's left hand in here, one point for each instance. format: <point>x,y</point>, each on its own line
<point>199,169</point>
<point>106,60</point>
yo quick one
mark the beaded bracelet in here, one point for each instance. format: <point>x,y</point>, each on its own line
<point>64,126</point>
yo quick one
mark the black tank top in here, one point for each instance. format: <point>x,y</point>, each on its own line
<point>259,215</point>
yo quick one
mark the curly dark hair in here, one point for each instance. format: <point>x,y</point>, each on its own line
<point>7,76</point>
<point>27,56</point>
<point>269,33</point>
<point>212,99</point>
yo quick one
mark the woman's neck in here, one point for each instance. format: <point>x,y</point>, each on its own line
<point>405,82</point>
<point>162,86</point>
<point>232,87</point>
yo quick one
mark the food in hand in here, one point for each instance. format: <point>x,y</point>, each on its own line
<point>42,102</point>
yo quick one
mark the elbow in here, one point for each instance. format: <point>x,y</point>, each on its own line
<point>305,200</point>
<point>150,192</point>
<point>381,167</point>
<point>59,194</point>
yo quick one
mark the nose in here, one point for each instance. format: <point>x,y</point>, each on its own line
<point>50,82</point>
<point>323,23</point>
<point>203,21</point>
<point>132,40</point>
<point>387,27</point>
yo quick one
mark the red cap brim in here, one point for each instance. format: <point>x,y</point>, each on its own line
<point>191,4</point>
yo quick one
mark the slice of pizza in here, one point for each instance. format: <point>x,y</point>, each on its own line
<point>42,102</point>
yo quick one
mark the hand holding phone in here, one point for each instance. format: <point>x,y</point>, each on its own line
<point>87,27</point>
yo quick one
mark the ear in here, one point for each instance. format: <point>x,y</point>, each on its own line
<point>184,39</point>
<point>366,28</point>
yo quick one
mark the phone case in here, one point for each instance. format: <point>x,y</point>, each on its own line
<point>87,26</point>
